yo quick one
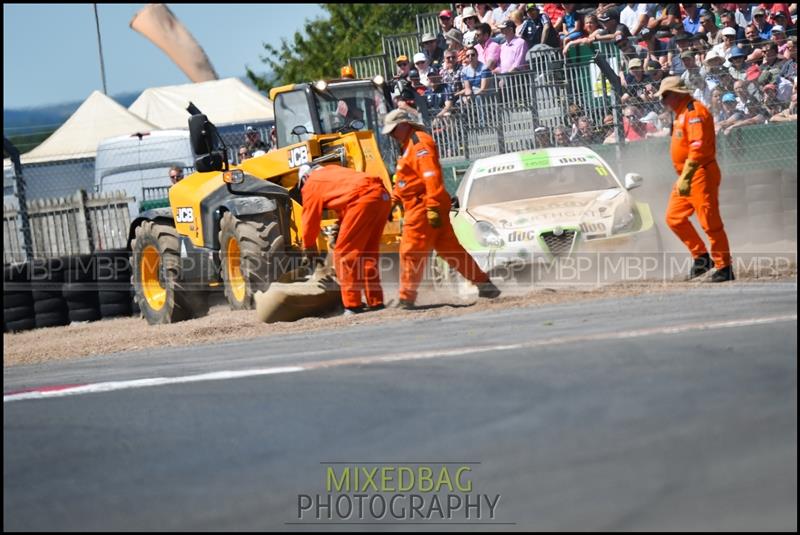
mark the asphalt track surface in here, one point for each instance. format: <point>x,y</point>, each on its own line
<point>675,411</point>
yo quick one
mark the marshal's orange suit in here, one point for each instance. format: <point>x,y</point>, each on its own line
<point>693,139</point>
<point>419,186</point>
<point>363,205</point>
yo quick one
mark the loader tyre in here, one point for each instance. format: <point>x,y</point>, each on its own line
<point>251,252</point>
<point>159,291</point>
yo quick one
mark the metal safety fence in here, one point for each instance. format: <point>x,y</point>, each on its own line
<point>79,224</point>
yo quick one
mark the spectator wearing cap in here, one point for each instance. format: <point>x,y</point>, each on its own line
<point>637,81</point>
<point>422,66</point>
<point>253,140</point>
<point>488,50</point>
<point>635,17</point>
<point>656,48</point>
<point>475,77</point>
<point>691,76</point>
<point>430,47</point>
<point>536,28</point>
<point>609,22</point>
<point>628,50</point>
<point>439,96</point>
<point>541,136</point>
<point>445,25</point>
<point>750,106</point>
<point>592,29</point>
<point>399,81</point>
<point>728,114</point>
<point>455,44</point>
<point>681,43</point>
<point>736,60</point>
<point>779,14</point>
<point>729,21</point>
<point>691,23</point>
<point>710,29</point>
<point>778,36</point>
<point>728,42</point>
<point>763,27</point>
<point>471,21</point>
<point>772,106</point>
<point>512,52</point>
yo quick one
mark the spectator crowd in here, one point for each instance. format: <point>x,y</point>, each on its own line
<point>740,60</point>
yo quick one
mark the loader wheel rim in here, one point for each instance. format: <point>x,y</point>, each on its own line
<point>154,293</point>
<point>235,278</point>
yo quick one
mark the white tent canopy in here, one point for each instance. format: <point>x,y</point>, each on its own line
<point>227,101</point>
<point>98,118</point>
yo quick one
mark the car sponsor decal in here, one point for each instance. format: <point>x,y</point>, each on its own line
<point>534,160</point>
<point>521,235</point>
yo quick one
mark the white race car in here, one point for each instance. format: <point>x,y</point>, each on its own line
<point>535,206</point>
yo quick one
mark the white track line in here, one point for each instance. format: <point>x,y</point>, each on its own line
<point>49,392</point>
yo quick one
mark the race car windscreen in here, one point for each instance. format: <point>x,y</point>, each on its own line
<point>533,183</point>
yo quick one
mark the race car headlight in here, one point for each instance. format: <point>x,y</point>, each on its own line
<point>624,219</point>
<point>487,235</point>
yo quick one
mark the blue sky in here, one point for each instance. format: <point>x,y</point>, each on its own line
<point>50,50</point>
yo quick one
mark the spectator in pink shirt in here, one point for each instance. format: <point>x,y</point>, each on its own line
<point>512,52</point>
<point>488,50</point>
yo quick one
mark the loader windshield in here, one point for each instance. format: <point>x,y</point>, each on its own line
<point>340,108</point>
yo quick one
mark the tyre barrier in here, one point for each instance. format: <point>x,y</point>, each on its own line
<point>18,311</point>
<point>47,282</point>
<point>114,294</point>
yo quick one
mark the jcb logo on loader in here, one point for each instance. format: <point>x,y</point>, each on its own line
<point>185,215</point>
<point>298,156</point>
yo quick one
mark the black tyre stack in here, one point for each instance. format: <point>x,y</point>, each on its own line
<point>18,312</point>
<point>114,290</point>
<point>80,289</point>
<point>47,282</point>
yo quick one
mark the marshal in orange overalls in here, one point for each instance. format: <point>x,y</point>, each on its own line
<point>363,205</point>
<point>419,186</point>
<point>693,139</point>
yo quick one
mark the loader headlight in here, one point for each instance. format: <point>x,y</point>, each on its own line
<point>378,80</point>
<point>487,235</point>
<point>321,85</point>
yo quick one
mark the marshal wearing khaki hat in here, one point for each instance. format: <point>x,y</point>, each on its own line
<point>674,84</point>
<point>395,117</point>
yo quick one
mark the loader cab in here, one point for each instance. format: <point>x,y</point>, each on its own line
<point>303,111</point>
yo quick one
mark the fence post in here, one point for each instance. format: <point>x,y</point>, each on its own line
<point>82,224</point>
<point>13,153</point>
